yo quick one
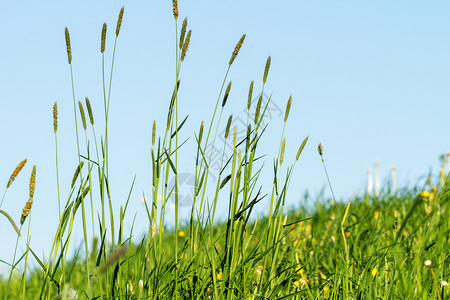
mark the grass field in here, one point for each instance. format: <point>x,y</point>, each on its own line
<point>391,246</point>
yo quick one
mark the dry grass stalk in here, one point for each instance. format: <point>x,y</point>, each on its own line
<point>301,148</point>
<point>183,33</point>
<point>69,49</point>
<point>16,172</point>
<point>26,210</point>
<point>186,45</point>
<point>282,151</point>
<point>114,257</point>
<point>234,137</point>
<point>288,108</point>
<point>250,93</point>
<point>227,92</point>
<point>227,130</point>
<point>55,117</point>
<point>119,21</point>
<point>83,116</point>
<point>266,70</point>
<point>175,8</point>
<point>102,44</point>
<point>89,108</point>
<point>77,172</point>
<point>236,49</point>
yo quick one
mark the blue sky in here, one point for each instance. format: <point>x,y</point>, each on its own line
<point>369,80</point>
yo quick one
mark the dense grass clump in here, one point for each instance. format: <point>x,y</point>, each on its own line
<point>390,246</point>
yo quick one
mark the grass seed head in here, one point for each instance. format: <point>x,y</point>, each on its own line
<point>175,8</point>
<point>282,151</point>
<point>250,93</point>
<point>227,92</point>
<point>89,108</point>
<point>103,42</point>
<point>77,172</point>
<point>200,134</point>
<point>288,108</point>
<point>183,33</point>
<point>114,257</point>
<point>16,172</point>
<point>55,117</point>
<point>224,181</point>
<point>227,130</point>
<point>153,133</point>
<point>83,116</point>
<point>69,49</point>
<point>266,70</point>
<point>119,21</point>
<point>247,141</point>
<point>301,148</point>
<point>186,45</point>
<point>236,49</point>
<point>258,108</point>
<point>320,150</point>
<point>26,210</point>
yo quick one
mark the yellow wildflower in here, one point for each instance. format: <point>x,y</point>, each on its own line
<point>299,270</point>
<point>434,189</point>
<point>376,215</point>
<point>181,234</point>
<point>396,213</point>
<point>326,292</point>
<point>303,280</point>
<point>347,234</point>
<point>259,270</point>
<point>219,276</point>
<point>374,272</point>
<point>424,194</point>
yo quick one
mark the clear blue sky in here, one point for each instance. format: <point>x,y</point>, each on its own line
<point>369,80</point>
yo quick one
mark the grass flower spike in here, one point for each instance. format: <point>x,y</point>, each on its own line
<point>89,109</point>
<point>186,45</point>
<point>26,210</point>
<point>175,8</point>
<point>227,130</point>
<point>183,33</point>
<point>103,42</point>
<point>250,93</point>
<point>55,117</point>
<point>266,70</point>
<point>300,150</point>
<point>83,116</point>
<point>227,92</point>
<point>16,172</point>
<point>69,49</point>
<point>288,108</point>
<point>119,21</point>
<point>236,50</point>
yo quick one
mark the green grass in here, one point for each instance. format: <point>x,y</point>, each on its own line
<point>369,248</point>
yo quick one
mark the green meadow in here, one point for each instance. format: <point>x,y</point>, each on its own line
<point>393,245</point>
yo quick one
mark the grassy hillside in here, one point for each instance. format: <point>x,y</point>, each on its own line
<point>391,246</point>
